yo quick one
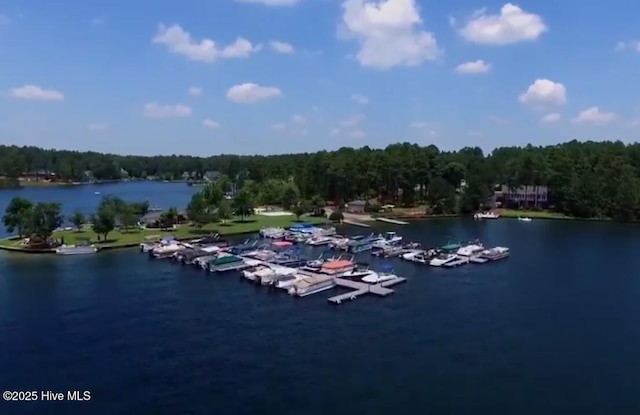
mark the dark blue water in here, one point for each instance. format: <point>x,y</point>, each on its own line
<point>554,329</point>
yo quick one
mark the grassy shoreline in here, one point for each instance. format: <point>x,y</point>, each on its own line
<point>534,214</point>
<point>133,238</point>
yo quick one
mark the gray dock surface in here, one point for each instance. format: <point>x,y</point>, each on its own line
<point>354,223</point>
<point>361,288</point>
<point>394,221</point>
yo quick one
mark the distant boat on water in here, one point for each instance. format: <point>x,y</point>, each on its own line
<point>96,193</point>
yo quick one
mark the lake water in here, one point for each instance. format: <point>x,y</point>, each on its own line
<point>85,199</point>
<point>553,329</point>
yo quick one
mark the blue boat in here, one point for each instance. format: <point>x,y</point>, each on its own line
<point>362,244</point>
<point>290,258</point>
<point>300,226</point>
<point>247,245</point>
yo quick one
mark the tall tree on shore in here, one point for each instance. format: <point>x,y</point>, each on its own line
<point>198,211</point>
<point>45,218</point>
<point>104,222</point>
<point>78,219</point>
<point>242,204</point>
<point>224,211</point>
<point>169,217</point>
<point>17,215</point>
<point>213,195</point>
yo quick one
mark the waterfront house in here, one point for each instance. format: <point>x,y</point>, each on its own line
<point>88,177</point>
<point>38,175</point>
<point>523,196</point>
<point>357,206</point>
<point>212,176</point>
<point>153,219</point>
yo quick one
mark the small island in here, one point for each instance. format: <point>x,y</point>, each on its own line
<point>40,227</point>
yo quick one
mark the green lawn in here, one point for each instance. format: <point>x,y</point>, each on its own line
<point>539,214</point>
<point>134,237</point>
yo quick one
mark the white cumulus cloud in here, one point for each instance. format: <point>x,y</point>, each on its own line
<point>359,99</point>
<point>281,47</point>
<point>551,118</point>
<point>155,110</point>
<point>390,33</point>
<point>195,91</point>
<point>594,115</point>
<point>179,41</point>
<point>35,93</point>
<point>248,93</point>
<point>628,45</point>
<point>511,25</point>
<point>209,123</point>
<point>544,92</point>
<point>473,67</point>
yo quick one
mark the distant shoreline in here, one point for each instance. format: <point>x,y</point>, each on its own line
<point>41,184</point>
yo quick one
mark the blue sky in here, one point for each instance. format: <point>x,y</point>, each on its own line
<point>241,76</point>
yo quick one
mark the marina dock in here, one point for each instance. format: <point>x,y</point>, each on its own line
<point>354,223</point>
<point>361,288</point>
<point>393,221</point>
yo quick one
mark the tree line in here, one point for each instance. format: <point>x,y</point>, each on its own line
<point>585,179</point>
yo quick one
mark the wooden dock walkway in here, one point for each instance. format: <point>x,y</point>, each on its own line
<point>394,221</point>
<point>361,288</point>
<point>354,223</point>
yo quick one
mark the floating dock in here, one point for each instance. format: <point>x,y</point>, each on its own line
<point>394,221</point>
<point>354,223</point>
<point>361,288</point>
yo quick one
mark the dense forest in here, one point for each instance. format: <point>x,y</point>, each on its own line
<point>584,179</point>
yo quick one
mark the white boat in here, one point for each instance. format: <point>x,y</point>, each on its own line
<point>273,232</point>
<point>165,251</point>
<point>358,272</point>
<point>524,219</point>
<point>388,239</point>
<point>76,249</point>
<point>287,281</point>
<point>470,249</point>
<point>96,193</point>
<point>330,231</point>
<point>495,254</point>
<point>254,273</point>
<point>419,256</point>
<point>486,215</point>
<point>386,274</point>
<point>319,240</point>
<point>275,274</point>
<point>339,242</point>
<point>442,259</point>
<point>311,284</point>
